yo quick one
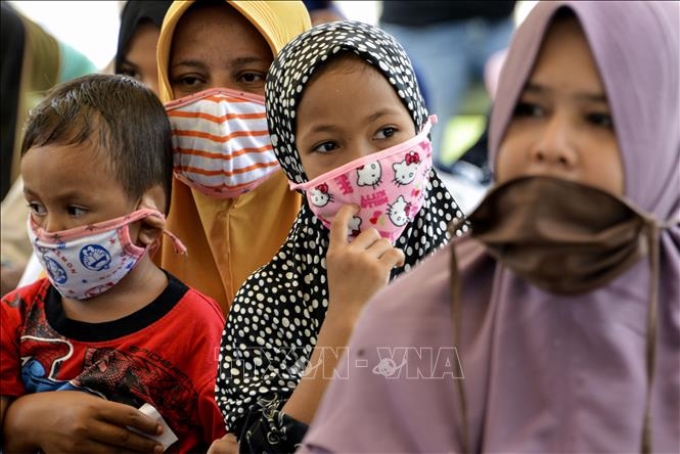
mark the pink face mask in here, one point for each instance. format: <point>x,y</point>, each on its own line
<point>86,261</point>
<point>221,142</point>
<point>389,186</point>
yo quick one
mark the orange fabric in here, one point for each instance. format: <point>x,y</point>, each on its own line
<point>204,135</point>
<point>227,239</point>
<point>213,118</point>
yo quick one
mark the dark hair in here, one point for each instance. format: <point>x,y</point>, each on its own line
<point>123,119</point>
<point>134,15</point>
<point>198,4</point>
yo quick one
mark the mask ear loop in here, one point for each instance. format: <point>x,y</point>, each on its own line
<point>177,245</point>
<point>456,312</point>
<point>653,238</point>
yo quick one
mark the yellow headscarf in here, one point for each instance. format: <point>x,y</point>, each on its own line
<point>229,239</point>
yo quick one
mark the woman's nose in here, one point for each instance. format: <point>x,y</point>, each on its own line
<point>555,148</point>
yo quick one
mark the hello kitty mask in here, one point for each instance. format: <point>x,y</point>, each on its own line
<point>388,186</point>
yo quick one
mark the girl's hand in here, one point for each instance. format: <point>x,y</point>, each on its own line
<point>357,269</point>
<point>225,445</point>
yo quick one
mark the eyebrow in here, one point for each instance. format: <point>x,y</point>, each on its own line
<point>238,62</point>
<point>242,61</point>
<point>27,191</point>
<point>374,116</point>
<point>381,113</point>
<point>190,63</point>
<point>69,195</point>
<point>532,87</point>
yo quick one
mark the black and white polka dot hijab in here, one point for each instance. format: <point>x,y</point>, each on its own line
<point>300,59</point>
<point>278,312</point>
<point>288,77</point>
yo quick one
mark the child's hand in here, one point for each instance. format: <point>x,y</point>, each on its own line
<point>225,445</point>
<point>356,270</point>
<point>76,422</point>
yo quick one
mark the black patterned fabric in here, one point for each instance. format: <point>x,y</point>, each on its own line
<point>277,314</point>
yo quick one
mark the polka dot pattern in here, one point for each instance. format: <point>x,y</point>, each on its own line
<point>277,314</point>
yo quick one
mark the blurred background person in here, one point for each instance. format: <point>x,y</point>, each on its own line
<point>140,27</point>
<point>450,43</point>
<point>322,11</point>
<point>32,62</point>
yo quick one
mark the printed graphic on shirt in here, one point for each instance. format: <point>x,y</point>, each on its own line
<point>131,375</point>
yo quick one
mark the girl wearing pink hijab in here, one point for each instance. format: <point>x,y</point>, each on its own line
<point>555,325</point>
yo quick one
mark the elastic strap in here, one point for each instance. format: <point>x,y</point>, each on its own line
<point>177,244</point>
<point>456,314</point>
<point>652,321</point>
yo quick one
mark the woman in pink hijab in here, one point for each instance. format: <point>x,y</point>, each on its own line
<point>555,325</point>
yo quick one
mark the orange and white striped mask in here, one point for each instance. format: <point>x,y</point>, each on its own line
<point>220,141</point>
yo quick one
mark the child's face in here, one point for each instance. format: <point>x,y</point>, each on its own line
<point>69,186</point>
<point>216,47</point>
<point>140,60</point>
<point>348,112</point>
<point>562,125</point>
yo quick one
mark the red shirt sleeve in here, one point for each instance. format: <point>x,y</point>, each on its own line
<point>12,309</point>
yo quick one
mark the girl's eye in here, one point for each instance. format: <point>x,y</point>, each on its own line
<point>325,147</point>
<point>189,81</point>
<point>601,119</point>
<point>386,133</point>
<point>37,209</point>
<point>76,211</point>
<point>252,77</point>
<point>526,109</point>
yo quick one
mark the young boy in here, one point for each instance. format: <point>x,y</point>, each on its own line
<point>107,322</point>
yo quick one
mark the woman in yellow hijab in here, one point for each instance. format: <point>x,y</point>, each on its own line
<point>231,204</point>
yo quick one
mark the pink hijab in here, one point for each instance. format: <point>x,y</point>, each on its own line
<point>542,373</point>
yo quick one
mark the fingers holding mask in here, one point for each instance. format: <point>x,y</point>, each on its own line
<point>368,240</point>
<point>357,268</point>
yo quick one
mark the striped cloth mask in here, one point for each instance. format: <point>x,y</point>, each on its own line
<point>220,142</point>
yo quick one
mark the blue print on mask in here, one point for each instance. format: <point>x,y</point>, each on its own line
<point>56,271</point>
<point>95,257</point>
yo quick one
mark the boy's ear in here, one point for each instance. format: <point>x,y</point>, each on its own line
<point>151,227</point>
